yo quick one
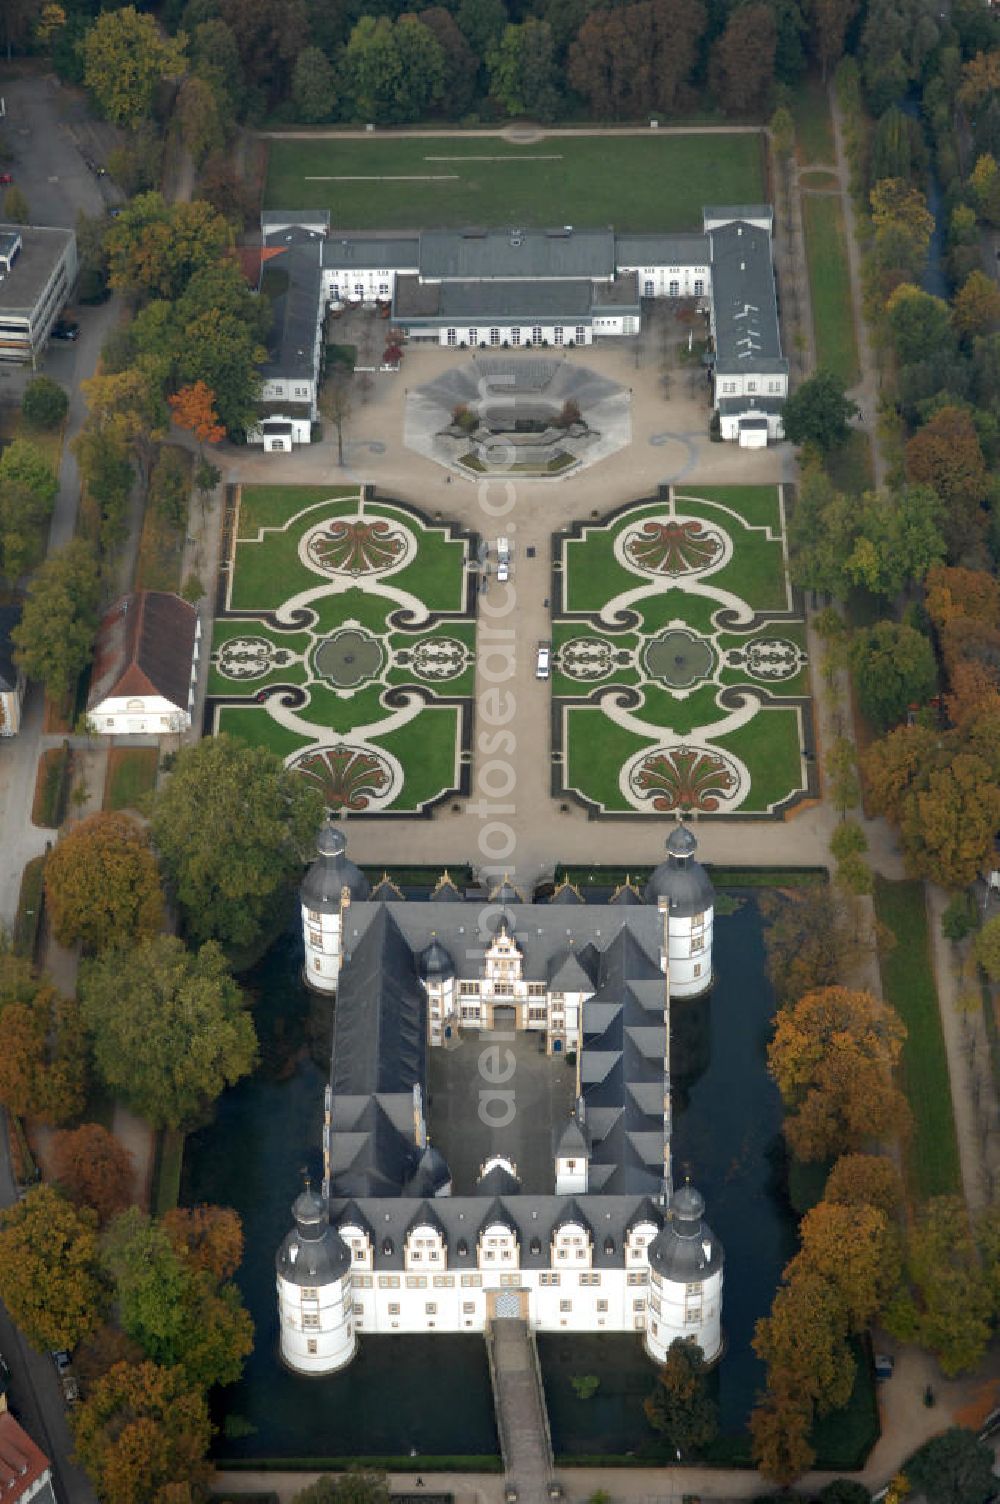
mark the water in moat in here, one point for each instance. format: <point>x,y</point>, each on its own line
<point>431,1396</point>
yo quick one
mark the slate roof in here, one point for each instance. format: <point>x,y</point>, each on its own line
<point>291,341</point>
<point>685,1249</point>
<point>662,250</point>
<point>517,253</point>
<point>9,618</point>
<point>331,872</point>
<point>145,646</point>
<point>680,878</point>
<point>517,302</point>
<point>371,252</point>
<point>533,1219</point>
<point>379,1035</point>
<point>745,310</point>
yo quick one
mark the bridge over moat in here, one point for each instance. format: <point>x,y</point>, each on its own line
<point>522,1419</point>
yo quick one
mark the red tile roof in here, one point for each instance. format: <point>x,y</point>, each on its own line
<point>145,646</point>
<point>251,259</point>
<point>22,1463</point>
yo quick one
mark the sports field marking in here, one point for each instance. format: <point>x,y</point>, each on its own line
<point>507,157</point>
<point>405,177</point>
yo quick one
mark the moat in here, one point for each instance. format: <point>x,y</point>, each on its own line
<point>727,1121</point>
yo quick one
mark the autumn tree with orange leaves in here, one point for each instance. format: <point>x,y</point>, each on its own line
<point>832,1056</point>
<point>193,407</point>
<point>93,1169</point>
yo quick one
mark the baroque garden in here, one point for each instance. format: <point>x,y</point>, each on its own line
<point>345,641</point>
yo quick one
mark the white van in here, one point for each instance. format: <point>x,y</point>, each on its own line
<point>543,661</point>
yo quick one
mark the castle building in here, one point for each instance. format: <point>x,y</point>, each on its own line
<point>517,288</point>
<point>596,1239</point>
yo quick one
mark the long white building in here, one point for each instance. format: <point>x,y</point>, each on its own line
<point>510,288</point>
<point>394,1245</point>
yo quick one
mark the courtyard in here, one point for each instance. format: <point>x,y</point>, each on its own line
<point>680,673</point>
<point>345,643</point>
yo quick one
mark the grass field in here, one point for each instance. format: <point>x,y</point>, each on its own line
<point>830,286</point>
<point>813,126</point>
<point>654,182</point>
<point>131,774</point>
<point>932,1166</point>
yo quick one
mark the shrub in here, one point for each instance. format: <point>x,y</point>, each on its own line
<point>44,403</point>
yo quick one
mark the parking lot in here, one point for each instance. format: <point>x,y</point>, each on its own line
<point>47,130</point>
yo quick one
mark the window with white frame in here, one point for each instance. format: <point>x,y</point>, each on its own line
<point>648,288</point>
<point>557,334</point>
<point>699,287</point>
<point>515,336</point>
<point>452,336</point>
<point>675,288</point>
<point>536,335</point>
<point>473,336</point>
<point>581,334</point>
<point>359,289</point>
<point>494,336</point>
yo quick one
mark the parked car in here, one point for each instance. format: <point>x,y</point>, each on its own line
<point>65,329</point>
<point>503,571</point>
<point>544,660</point>
<point>6,178</point>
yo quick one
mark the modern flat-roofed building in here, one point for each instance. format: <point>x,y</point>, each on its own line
<point>38,269</point>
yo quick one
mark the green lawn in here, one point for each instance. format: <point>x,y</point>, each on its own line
<point>757,504</point>
<point>813,126</point>
<point>850,466</point>
<point>647,182</point>
<point>428,751</point>
<point>271,506</point>
<point>131,774</point>
<point>769,745</point>
<point>830,286</point>
<point>595,750</point>
<point>932,1163</point>
<point>253,725</point>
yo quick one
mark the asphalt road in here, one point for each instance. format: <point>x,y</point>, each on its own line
<point>47,129</point>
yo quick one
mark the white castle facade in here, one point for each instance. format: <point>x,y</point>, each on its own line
<point>392,1245</point>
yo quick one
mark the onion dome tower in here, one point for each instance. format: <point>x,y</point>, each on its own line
<point>322,899</point>
<point>685,1280</point>
<point>437,973</point>
<point>315,1294</point>
<point>683,887</point>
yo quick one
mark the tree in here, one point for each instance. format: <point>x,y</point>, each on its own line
<point>48,1269</point>
<point>894,668</point>
<point>168,1026</point>
<point>206,1238</point>
<point>346,1488</point>
<point>636,59</point>
<point>865,1180</point>
<point>897,536</point>
<point>481,22</point>
<point>829,21</point>
<point>976,306</point>
<point>920,323</point>
<point>202,127</point>
<point>856,1250</point>
<point>679,1407</point>
<point>988,948</point>
<point>946,455</point>
<point>54,638</point>
<point>903,227</point>
<point>125,56</point>
<point>843,784</point>
<point>44,403</point>
<point>213,332</point>
<point>741,66</point>
<point>779,1437</point>
<point>193,408</point>
<point>129,407</point>
<point>898,149</point>
<point>28,489</point>
<point>270,36</point>
<point>313,89</point>
<point>170,487</point>
<point>818,413</point>
<point>980,79</point>
<point>946,1301</point>
<point>93,1169</point>
<point>43,1063</point>
<point>155,248</point>
<point>140,1429</point>
<point>461,65</point>
<point>804,1341</point>
<point>232,827</point>
<point>953,1468</point>
<point>951,593</point>
<point>833,1055</point>
<point>809,941</point>
<point>522,70</point>
<point>102,886</point>
<point>848,840</point>
<point>393,70</point>
<point>176,1310</point>
<point>984,181</point>
<point>103,455</point>
<point>335,404</point>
